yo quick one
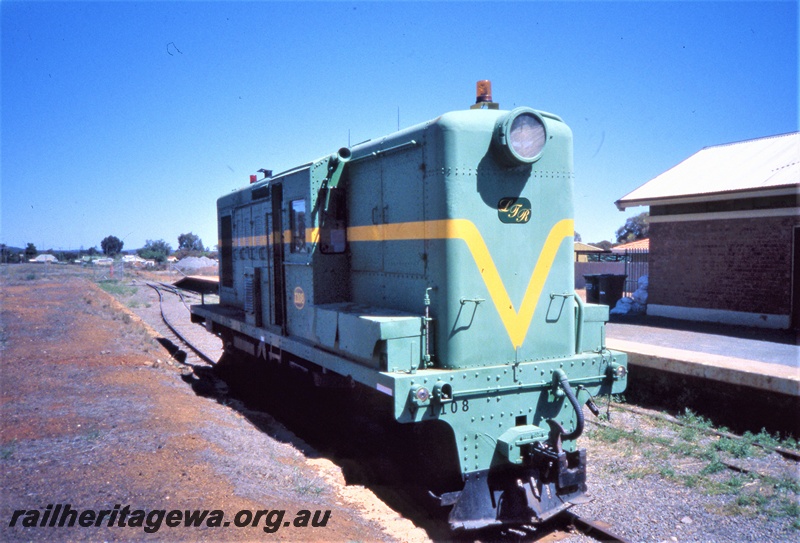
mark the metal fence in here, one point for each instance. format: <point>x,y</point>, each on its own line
<point>108,272</point>
<point>636,265</point>
<point>633,263</point>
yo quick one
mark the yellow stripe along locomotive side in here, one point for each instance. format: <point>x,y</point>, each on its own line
<point>516,323</point>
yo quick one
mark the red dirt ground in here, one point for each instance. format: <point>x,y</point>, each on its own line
<point>88,419</point>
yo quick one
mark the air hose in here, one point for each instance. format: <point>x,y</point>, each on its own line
<point>563,381</point>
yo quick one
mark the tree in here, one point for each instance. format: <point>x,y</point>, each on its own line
<point>157,250</point>
<point>30,251</point>
<point>637,227</point>
<point>10,255</point>
<point>576,236</point>
<point>604,245</point>
<point>190,242</point>
<point>65,256</point>
<point>111,245</point>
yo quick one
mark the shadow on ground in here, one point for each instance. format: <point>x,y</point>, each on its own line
<point>349,425</point>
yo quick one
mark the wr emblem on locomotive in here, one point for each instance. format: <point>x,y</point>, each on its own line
<point>299,298</point>
<point>514,210</point>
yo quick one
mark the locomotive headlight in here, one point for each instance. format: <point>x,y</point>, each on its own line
<point>526,136</point>
<point>520,137</point>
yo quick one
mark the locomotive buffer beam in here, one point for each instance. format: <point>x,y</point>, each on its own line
<point>540,479</point>
<point>519,497</point>
<point>549,481</point>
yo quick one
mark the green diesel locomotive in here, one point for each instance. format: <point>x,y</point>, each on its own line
<point>434,266</point>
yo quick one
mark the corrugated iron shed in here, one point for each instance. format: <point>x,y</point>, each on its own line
<point>725,171</point>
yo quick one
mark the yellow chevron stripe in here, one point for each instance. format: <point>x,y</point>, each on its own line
<point>515,322</point>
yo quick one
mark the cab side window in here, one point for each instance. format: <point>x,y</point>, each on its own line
<point>297,221</point>
<point>226,251</point>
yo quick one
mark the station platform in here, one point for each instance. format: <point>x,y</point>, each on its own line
<point>767,360</point>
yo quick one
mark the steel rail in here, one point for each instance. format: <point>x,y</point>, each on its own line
<point>177,291</point>
<point>159,289</point>
<point>593,529</point>
<point>786,453</point>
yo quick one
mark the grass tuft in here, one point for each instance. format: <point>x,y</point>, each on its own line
<point>115,288</point>
<point>706,473</point>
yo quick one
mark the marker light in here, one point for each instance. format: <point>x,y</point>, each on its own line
<point>419,396</point>
<point>618,371</point>
<point>483,91</point>
<point>521,136</point>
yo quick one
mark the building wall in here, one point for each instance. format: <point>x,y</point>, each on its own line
<point>742,265</point>
<point>588,268</point>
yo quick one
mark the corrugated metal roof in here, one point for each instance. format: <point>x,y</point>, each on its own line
<point>756,164</point>
<point>639,244</point>
<point>580,246</point>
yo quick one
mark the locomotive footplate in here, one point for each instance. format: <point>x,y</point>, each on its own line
<point>519,496</point>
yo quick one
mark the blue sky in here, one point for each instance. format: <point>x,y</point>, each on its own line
<point>132,118</point>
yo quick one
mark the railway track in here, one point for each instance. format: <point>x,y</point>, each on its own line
<point>565,527</point>
<point>175,318</point>
<point>594,529</point>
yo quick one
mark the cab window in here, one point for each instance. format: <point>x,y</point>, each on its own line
<point>297,220</point>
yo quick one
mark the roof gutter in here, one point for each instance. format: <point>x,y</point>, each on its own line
<point>784,190</point>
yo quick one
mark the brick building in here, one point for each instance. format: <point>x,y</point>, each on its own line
<point>725,234</point>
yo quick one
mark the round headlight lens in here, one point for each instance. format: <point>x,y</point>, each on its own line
<point>527,136</point>
<point>520,137</point>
